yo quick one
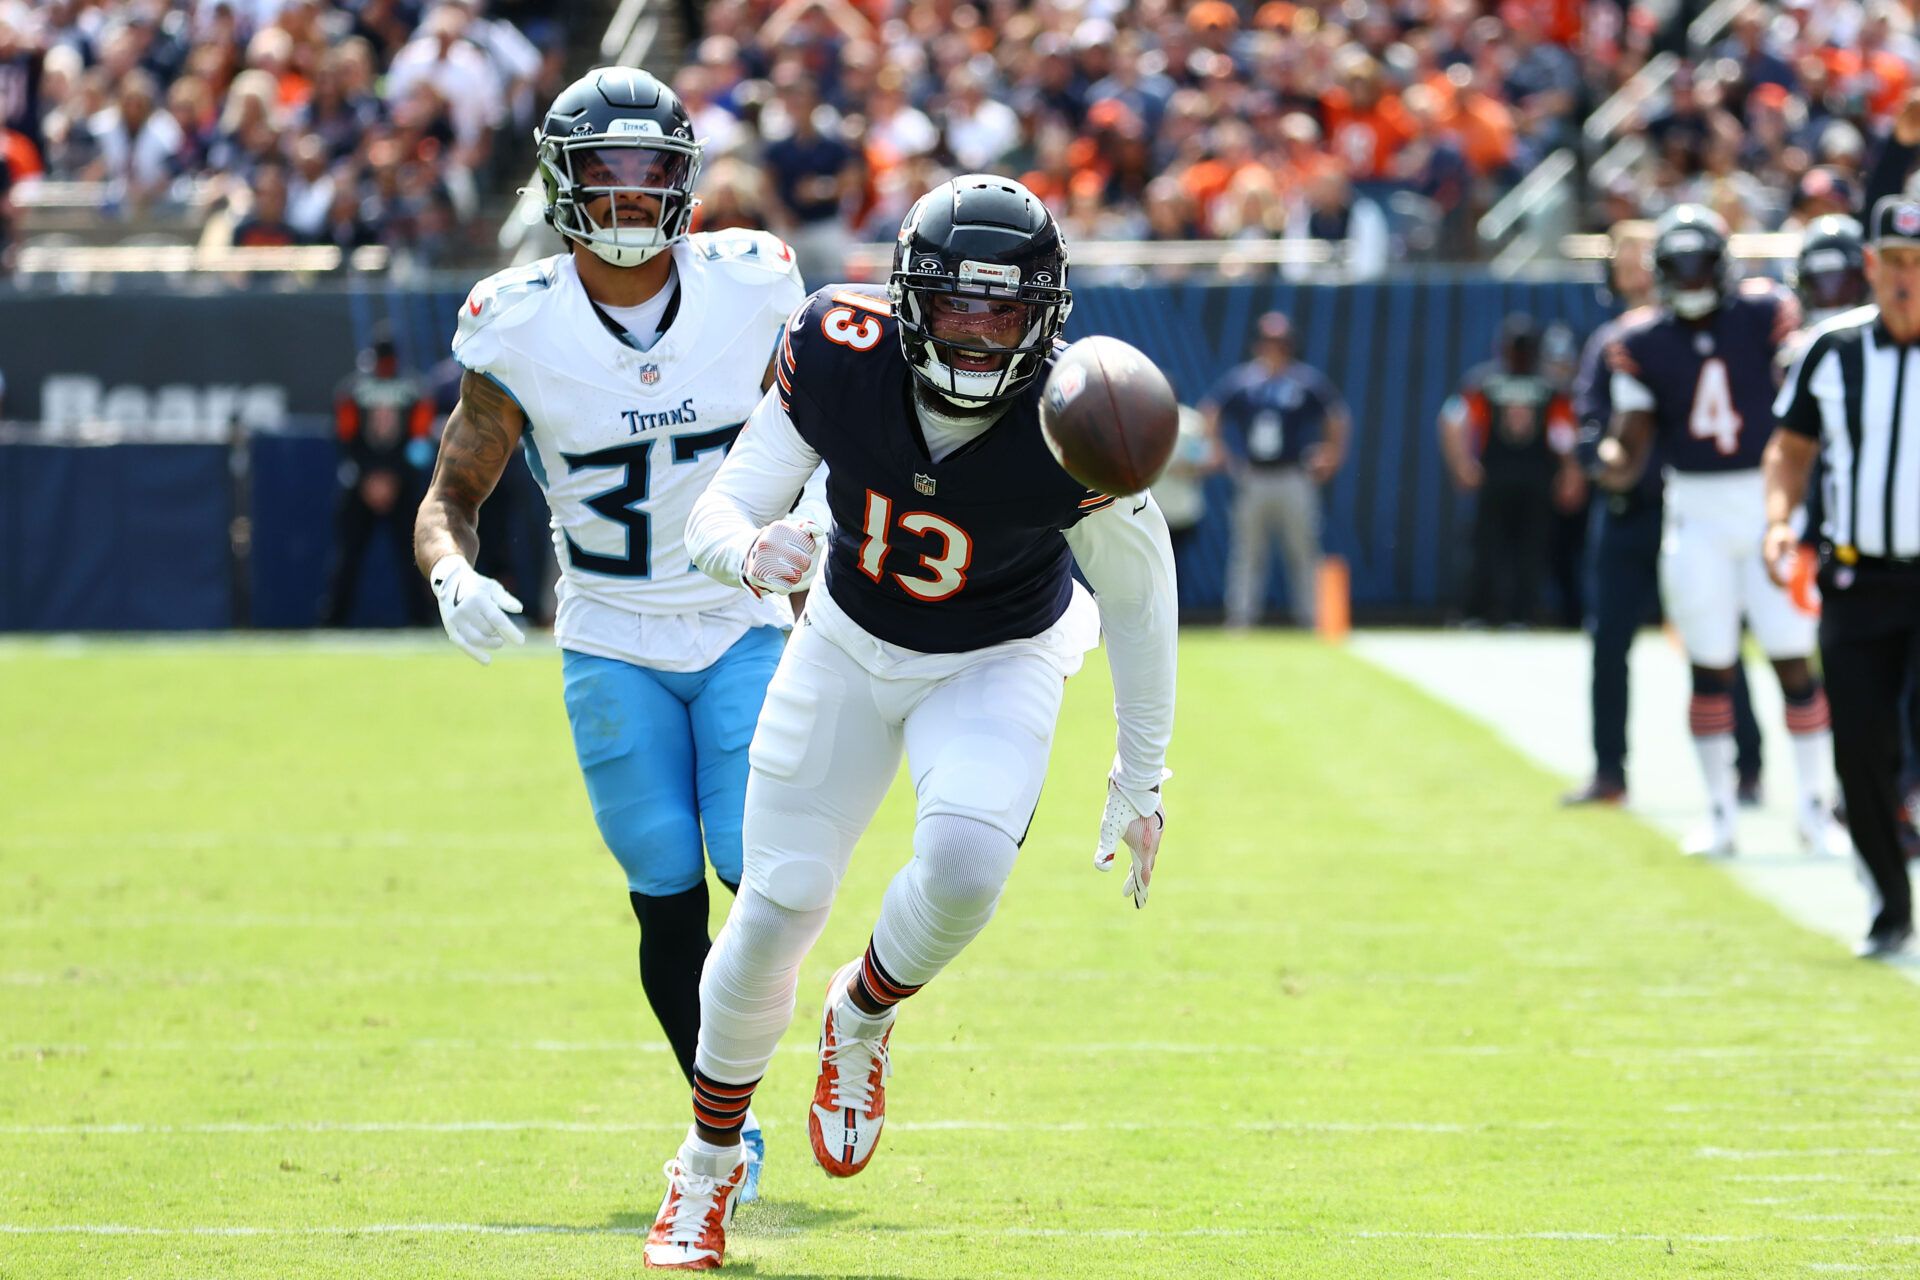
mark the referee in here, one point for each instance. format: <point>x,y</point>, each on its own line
<point>1856,394</point>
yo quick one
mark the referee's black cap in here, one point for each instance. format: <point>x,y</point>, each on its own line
<point>1896,220</point>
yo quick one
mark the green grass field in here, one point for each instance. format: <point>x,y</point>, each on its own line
<point>311,964</point>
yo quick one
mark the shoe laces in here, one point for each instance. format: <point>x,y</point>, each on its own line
<point>696,1198</point>
<point>852,1059</point>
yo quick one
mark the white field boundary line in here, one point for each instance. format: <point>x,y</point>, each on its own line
<point>748,1232</point>
<point>222,1127</point>
<point>1302,1127</point>
<point>1893,1067</point>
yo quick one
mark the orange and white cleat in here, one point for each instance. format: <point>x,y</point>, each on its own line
<point>850,1095</point>
<point>691,1232</point>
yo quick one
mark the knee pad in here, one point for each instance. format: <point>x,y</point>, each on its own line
<point>961,864</point>
<point>775,867</point>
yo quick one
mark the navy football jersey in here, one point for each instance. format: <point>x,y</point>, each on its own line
<point>1712,384</point>
<point>939,557</point>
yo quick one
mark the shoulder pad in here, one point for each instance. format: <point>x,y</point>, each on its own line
<point>501,301</point>
<point>748,254</point>
<point>833,322</point>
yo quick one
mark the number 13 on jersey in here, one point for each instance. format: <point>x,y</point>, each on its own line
<point>948,569</point>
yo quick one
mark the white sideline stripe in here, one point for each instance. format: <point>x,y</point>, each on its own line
<point>208,1128</point>
<point>677,1126</point>
<point>1625,1055</point>
<point>748,1232</point>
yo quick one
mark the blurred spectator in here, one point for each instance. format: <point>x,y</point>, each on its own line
<point>22,67</point>
<point>140,150</point>
<point>1283,429</point>
<point>816,175</point>
<point>1507,437</point>
<point>265,224</point>
<point>384,423</point>
<point>310,187</point>
<point>1331,211</point>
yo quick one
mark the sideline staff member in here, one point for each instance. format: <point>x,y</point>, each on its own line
<point>1856,393</point>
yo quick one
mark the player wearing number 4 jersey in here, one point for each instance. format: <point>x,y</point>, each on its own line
<point>948,618</point>
<point>1697,374</point>
<point>624,368</point>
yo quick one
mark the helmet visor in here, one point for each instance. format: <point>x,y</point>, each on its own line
<point>975,332</point>
<point>605,169</point>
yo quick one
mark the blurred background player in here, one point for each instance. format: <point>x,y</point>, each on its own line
<point>383,420</point>
<point>948,619</point>
<point>1507,436</point>
<point>1623,546</point>
<point>1283,429</point>
<point>640,351</point>
<point>1697,374</point>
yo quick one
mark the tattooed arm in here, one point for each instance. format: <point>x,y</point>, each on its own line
<point>480,436</point>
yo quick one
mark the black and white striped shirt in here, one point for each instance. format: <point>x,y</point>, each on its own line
<point>1857,393</point>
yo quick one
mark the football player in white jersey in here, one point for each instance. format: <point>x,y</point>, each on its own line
<point>624,368</point>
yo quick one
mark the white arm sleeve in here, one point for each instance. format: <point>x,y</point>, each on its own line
<point>757,484</point>
<point>813,500</point>
<point>1127,555</point>
<point>1630,395</point>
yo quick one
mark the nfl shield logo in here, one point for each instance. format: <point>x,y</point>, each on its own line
<point>1906,220</point>
<point>923,484</point>
<point>649,374</point>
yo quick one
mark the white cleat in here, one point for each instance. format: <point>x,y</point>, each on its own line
<point>690,1233</point>
<point>850,1094</point>
<point>1820,835</point>
<point>1712,839</point>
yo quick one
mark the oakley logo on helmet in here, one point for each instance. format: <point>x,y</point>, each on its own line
<point>931,266</point>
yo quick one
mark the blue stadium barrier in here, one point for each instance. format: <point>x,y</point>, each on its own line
<point>1396,349</point>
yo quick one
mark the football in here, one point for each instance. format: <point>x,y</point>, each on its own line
<point>1109,416</point>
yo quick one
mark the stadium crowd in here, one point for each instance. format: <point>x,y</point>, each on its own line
<point>345,122</point>
<point>1776,123</point>
<point>1388,125</point>
<point>1367,123</point>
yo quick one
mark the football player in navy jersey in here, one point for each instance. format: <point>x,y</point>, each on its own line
<point>948,617</point>
<point>1697,376</point>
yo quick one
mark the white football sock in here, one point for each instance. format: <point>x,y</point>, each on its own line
<point>1716,752</point>
<point>697,1155</point>
<point>748,987</point>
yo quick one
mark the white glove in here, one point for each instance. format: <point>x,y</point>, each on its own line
<point>474,608</point>
<point>784,557</point>
<point>1140,828</point>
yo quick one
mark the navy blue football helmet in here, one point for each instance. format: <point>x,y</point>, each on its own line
<point>613,133</point>
<point>1693,271</point>
<point>983,260</point>
<point>1831,274</point>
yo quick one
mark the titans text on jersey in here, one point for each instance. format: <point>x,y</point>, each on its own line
<point>622,440</point>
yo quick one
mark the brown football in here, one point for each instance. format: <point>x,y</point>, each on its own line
<point>1109,416</point>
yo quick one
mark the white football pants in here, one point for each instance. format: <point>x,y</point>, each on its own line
<point>827,748</point>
